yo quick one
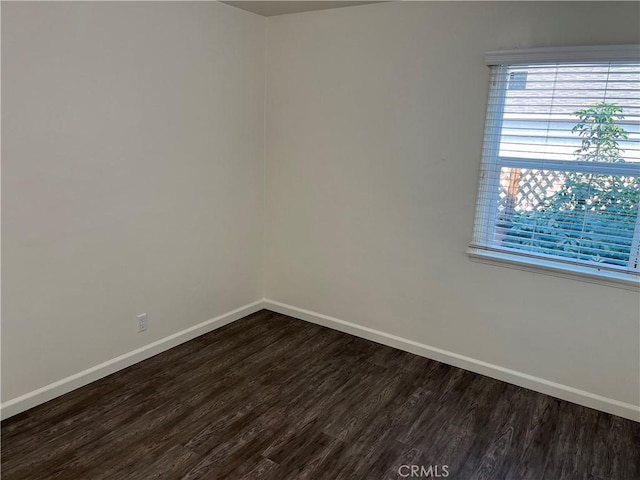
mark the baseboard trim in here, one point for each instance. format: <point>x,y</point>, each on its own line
<point>530,382</point>
<point>66,385</point>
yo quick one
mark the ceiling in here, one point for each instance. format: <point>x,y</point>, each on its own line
<point>270,8</point>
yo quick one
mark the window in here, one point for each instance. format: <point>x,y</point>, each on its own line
<point>560,177</point>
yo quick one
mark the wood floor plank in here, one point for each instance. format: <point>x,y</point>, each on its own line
<point>257,468</point>
<point>274,398</point>
<point>539,435</point>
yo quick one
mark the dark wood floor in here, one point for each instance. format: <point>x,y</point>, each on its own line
<point>276,398</point>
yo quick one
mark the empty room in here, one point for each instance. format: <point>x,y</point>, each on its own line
<point>320,240</point>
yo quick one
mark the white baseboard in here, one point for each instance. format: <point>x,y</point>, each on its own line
<point>530,382</point>
<point>564,392</point>
<point>53,390</point>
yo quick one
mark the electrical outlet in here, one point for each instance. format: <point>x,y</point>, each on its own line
<point>143,322</point>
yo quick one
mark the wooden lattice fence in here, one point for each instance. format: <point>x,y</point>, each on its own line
<point>524,190</point>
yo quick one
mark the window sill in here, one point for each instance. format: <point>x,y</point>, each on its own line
<point>584,274</point>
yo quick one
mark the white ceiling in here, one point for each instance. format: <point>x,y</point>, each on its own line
<point>270,8</point>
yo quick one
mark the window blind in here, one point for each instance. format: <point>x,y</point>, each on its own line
<point>560,176</point>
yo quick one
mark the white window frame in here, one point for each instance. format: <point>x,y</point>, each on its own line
<point>478,250</point>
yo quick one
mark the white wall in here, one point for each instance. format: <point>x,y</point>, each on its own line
<point>375,120</point>
<point>132,148</point>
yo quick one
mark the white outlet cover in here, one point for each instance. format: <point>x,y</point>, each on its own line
<point>142,322</point>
